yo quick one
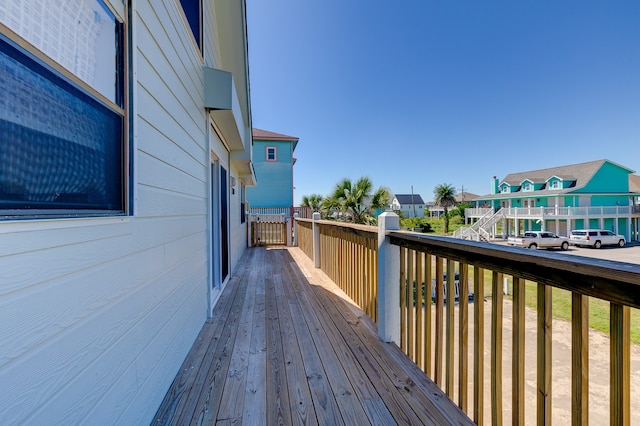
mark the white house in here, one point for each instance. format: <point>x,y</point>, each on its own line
<point>410,205</point>
<point>125,148</point>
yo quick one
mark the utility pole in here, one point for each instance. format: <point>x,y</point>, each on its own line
<point>412,203</point>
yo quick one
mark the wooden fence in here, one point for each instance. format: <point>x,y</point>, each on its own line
<point>268,229</point>
<point>349,256</point>
<point>424,261</point>
<point>435,327</point>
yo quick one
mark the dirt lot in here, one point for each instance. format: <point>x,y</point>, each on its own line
<point>598,357</point>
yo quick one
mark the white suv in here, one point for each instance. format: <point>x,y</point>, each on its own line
<point>595,238</point>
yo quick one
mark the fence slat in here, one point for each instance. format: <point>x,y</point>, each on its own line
<point>544,355</point>
<point>420,288</point>
<point>517,365</point>
<point>478,345</point>
<point>439,322</point>
<point>403,299</point>
<point>463,345</point>
<point>410,304</point>
<point>450,327</point>
<point>496,348</point>
<point>579,359</point>
<point>428,259</point>
<point>620,365</point>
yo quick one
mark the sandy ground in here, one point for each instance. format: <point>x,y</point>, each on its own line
<point>561,375</point>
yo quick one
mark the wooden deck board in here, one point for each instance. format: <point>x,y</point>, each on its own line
<point>286,347</point>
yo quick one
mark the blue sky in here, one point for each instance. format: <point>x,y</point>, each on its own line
<point>423,92</point>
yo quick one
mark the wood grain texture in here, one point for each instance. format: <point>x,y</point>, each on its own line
<point>439,326</point>
<point>579,359</point>
<point>463,339</point>
<point>478,346</point>
<point>496,348</point>
<point>620,365</point>
<point>330,367</point>
<point>517,359</point>
<point>544,361</point>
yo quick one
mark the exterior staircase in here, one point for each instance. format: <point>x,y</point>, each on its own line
<point>481,230</point>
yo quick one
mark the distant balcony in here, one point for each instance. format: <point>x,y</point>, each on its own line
<point>558,212</point>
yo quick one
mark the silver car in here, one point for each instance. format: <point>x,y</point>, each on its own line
<point>595,238</point>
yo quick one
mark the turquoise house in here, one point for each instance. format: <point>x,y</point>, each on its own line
<point>596,194</point>
<point>273,162</point>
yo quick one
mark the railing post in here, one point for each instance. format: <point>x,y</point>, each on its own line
<point>388,280</point>
<point>316,240</point>
<point>295,229</point>
<point>289,229</point>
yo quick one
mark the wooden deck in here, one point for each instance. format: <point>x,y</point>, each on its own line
<point>287,347</point>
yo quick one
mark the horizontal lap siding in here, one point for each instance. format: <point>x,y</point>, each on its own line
<point>98,315</point>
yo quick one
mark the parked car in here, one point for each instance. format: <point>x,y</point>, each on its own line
<point>595,238</point>
<point>539,239</point>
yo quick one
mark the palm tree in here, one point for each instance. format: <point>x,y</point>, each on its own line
<point>444,197</point>
<point>314,201</point>
<point>355,199</point>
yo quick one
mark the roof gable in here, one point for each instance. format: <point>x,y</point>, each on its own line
<point>265,135</point>
<point>580,173</point>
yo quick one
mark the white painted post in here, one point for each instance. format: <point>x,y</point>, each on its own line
<point>295,230</point>
<point>388,280</point>
<point>316,240</point>
<point>289,227</point>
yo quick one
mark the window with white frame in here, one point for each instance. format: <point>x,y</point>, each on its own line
<point>62,109</point>
<point>271,153</point>
<point>555,184</point>
<point>527,187</point>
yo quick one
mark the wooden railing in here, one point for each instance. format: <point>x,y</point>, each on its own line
<point>429,328</point>
<point>446,287</point>
<point>349,256</point>
<point>305,236</point>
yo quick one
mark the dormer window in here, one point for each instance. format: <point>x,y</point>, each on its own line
<point>505,189</point>
<point>527,186</point>
<point>555,184</point>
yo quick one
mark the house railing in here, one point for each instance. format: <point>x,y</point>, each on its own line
<point>302,212</point>
<point>557,212</point>
<point>348,254</point>
<point>417,309</point>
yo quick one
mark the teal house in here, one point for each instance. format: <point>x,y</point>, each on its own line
<point>597,194</point>
<point>273,162</point>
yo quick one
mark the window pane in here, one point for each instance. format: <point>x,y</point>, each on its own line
<point>78,34</point>
<point>59,148</point>
<point>191,10</point>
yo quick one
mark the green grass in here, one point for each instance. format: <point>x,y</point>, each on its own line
<point>599,310</point>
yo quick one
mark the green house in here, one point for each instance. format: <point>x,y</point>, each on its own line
<point>597,194</point>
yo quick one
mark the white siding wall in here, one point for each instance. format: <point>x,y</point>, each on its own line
<point>98,314</point>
